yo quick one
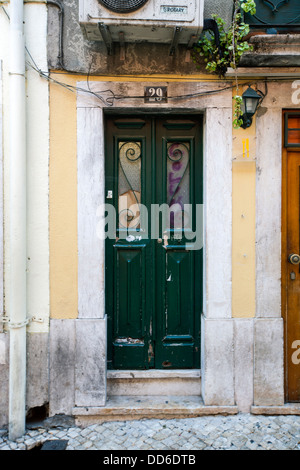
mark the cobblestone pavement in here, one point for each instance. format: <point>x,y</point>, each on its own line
<point>237,432</point>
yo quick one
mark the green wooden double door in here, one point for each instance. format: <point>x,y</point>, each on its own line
<point>153,273</point>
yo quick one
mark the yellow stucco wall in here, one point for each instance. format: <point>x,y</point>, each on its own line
<point>243,222</point>
<point>63,202</point>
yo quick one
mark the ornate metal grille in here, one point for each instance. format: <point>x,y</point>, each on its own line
<point>130,155</point>
<point>178,181</point>
<point>123,6</point>
<point>280,14</point>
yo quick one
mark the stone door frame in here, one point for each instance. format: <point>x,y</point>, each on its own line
<point>217,111</point>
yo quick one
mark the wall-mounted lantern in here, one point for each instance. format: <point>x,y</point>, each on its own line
<point>251,100</point>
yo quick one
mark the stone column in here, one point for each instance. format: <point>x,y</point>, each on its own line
<point>90,327</point>
<point>217,366</point>
<point>78,345</point>
<point>268,327</point>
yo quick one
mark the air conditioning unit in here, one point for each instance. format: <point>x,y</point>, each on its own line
<point>156,21</point>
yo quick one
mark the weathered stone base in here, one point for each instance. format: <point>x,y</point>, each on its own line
<point>37,391</point>
<point>4,372</point>
<point>77,364</point>
<point>133,408</point>
<point>61,367</point>
<point>217,366</point>
<point>287,409</point>
<point>242,362</point>
<point>268,362</point>
<point>36,371</point>
<point>242,371</point>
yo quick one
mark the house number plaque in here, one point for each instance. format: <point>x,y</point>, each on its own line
<point>156,94</point>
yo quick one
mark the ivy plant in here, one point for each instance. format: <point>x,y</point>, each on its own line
<point>228,53</point>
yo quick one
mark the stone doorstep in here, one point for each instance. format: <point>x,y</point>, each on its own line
<point>287,409</point>
<point>154,374</point>
<point>123,408</point>
<point>153,383</point>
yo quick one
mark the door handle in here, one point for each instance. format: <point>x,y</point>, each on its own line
<point>294,259</point>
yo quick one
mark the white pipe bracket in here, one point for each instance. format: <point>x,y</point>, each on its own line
<point>12,325</point>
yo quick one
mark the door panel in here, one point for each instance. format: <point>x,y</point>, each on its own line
<point>178,307</point>
<point>129,272</point>
<point>176,328</point>
<point>292,320</point>
<point>153,277</point>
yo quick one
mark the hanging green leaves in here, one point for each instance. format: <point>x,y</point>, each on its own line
<point>232,43</point>
<point>228,53</point>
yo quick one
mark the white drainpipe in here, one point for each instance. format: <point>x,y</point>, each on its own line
<point>16,308</point>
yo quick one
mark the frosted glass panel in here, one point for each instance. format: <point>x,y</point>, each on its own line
<point>178,180</point>
<point>129,184</point>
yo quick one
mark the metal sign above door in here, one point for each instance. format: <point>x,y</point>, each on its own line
<point>156,94</point>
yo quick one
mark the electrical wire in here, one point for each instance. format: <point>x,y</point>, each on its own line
<point>112,97</point>
<point>109,101</point>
